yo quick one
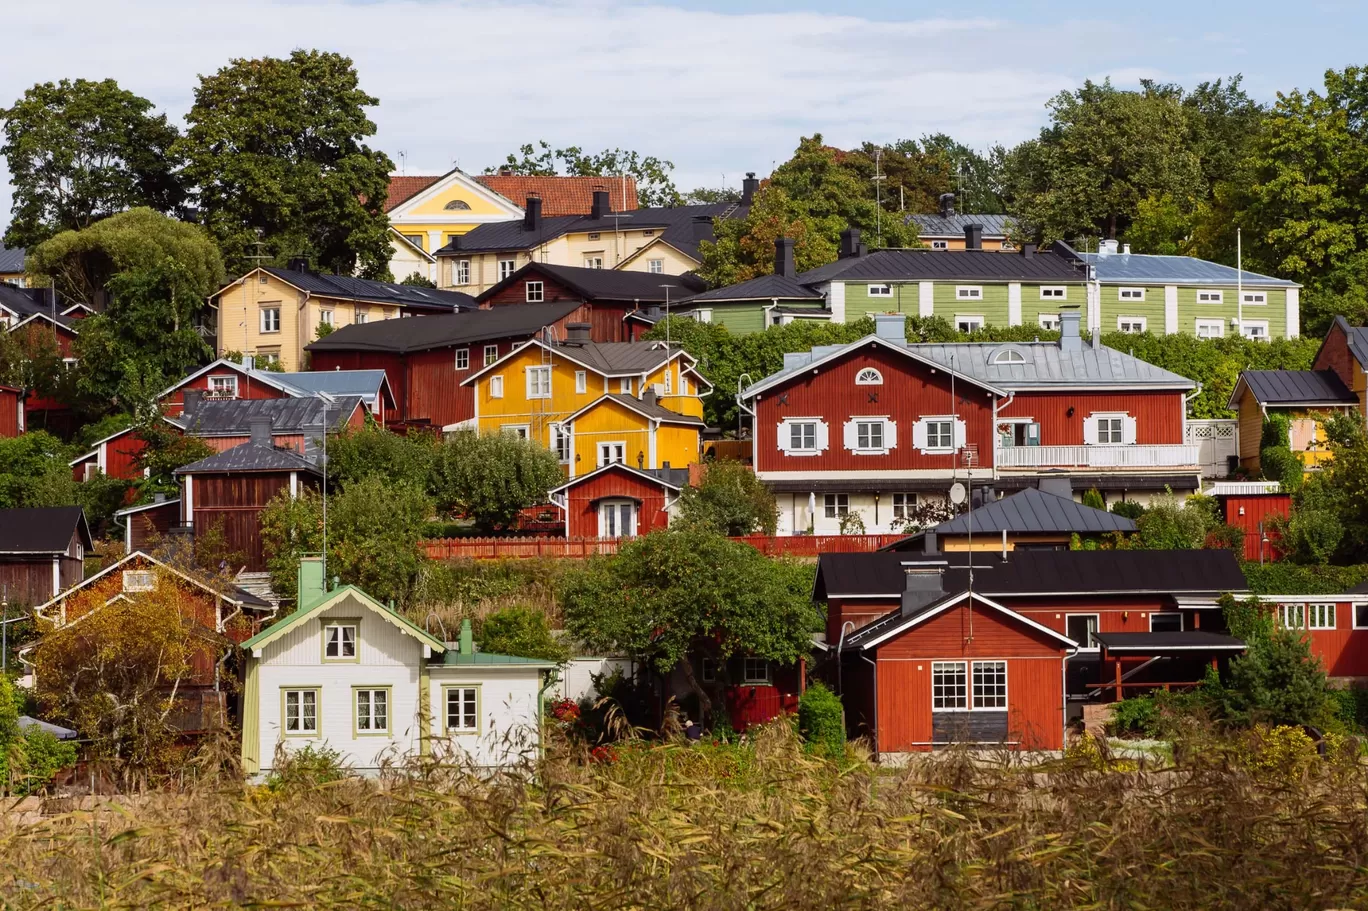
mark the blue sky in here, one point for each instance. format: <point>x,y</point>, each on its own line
<point>718,87</point>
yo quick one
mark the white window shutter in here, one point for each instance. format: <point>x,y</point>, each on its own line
<point>784,436</point>
<point>1090,431</point>
<point>890,435</point>
<point>851,438</point>
<point>960,433</point>
<point>1128,430</point>
<point>823,436</point>
<point>919,435</point>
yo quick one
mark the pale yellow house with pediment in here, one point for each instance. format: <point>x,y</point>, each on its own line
<point>425,212</point>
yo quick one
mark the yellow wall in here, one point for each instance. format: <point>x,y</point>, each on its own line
<point>674,262</point>
<point>957,242</point>
<point>677,444</point>
<point>610,423</point>
<point>993,542</point>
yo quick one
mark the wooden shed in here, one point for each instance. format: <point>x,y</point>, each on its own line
<point>617,501</point>
<point>11,411</point>
<point>42,552</point>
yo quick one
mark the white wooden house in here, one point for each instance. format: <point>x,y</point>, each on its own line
<point>347,673</point>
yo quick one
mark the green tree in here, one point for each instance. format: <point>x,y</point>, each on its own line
<point>1170,525</point>
<point>418,280</point>
<point>79,151</point>
<point>491,478</point>
<point>1277,681</point>
<point>730,500</point>
<point>704,196</point>
<point>836,190</point>
<point>372,451</point>
<point>524,632</point>
<point>652,175</point>
<point>743,249</point>
<point>672,594</point>
<point>31,361</point>
<point>34,472</point>
<point>277,149</point>
<point>975,178</point>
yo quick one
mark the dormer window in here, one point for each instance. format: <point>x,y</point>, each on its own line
<point>139,580</point>
<point>457,205</point>
<point>1009,356</point>
<point>869,377</point>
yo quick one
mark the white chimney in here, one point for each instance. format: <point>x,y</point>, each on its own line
<point>1107,248</point>
<point>1125,249</point>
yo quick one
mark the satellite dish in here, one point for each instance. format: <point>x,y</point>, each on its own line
<point>957,493</point>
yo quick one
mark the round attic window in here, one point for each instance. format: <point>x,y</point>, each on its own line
<point>869,377</point>
<point>456,204</point>
<point>1009,356</point>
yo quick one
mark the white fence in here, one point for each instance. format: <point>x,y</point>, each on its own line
<point>1134,456</point>
<point>1218,439</point>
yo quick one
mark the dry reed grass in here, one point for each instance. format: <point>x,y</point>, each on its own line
<point>700,827</point>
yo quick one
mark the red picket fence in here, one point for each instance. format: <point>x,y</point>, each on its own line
<point>579,548</point>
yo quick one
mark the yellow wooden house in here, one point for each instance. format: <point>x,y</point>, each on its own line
<point>595,403</point>
<point>1306,397</point>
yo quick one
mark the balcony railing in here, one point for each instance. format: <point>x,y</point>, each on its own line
<point>1134,456</point>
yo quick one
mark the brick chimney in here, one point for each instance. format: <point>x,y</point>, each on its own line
<point>602,206</point>
<point>532,214</point>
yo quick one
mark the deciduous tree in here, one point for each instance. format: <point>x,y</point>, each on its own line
<point>730,500</point>
<point>492,477</point>
<point>652,174</point>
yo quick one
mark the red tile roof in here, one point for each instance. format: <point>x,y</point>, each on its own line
<point>402,189</point>
<point>562,195</point>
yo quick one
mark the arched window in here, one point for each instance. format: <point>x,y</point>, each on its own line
<point>869,377</point>
<point>1009,356</point>
<point>456,204</point>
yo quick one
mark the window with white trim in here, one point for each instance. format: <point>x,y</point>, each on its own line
<point>756,671</point>
<point>1054,293</point>
<point>940,245</point>
<point>496,387</point>
<point>1210,328</point>
<point>1009,356</point>
<point>1082,628</point>
<point>463,709</point>
<point>949,686</point>
<point>325,317</point>
<point>521,431</point>
<point>491,354</point>
<point>1320,616</point>
<point>904,505</point>
<point>506,268</point>
<point>703,316</point>
<point>536,292</point>
<point>617,519</point>
<point>223,387</point>
<point>801,437</point>
<point>462,358</point>
<point>1048,321</point>
<point>968,292</point>
<point>625,385</point>
<point>869,435</point>
<point>560,443</point>
<point>372,711</point>
<point>1131,324</point>
<point>362,316</point>
<point>539,382</point>
<point>990,685</point>
<point>1360,616</point>
<point>1166,622</point>
<point>593,235</point>
<point>139,580</point>
<point>339,641</point>
<point>581,382</point>
<point>880,290</point>
<point>937,434</point>
<point>1255,329</point>
<point>301,713</point>
<point>968,323</point>
<point>1292,616</point>
<point>460,272</point>
<point>835,505</point>
<point>1255,298</point>
<point>593,262</point>
<point>612,454</point>
<point>270,319</point>
<point>655,266</point>
<point>1130,294</point>
<point>1111,430</point>
<point>869,377</point>
<point>1210,297</point>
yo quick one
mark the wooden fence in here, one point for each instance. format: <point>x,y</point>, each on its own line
<point>579,548</point>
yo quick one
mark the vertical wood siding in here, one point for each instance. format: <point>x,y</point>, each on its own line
<point>11,406</point>
<point>583,513</point>
<point>235,502</point>
<point>1342,650</point>
<point>1158,415</point>
<point>147,527</point>
<point>1257,509</point>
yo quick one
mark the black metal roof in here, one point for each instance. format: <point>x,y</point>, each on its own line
<point>27,302</point>
<point>766,287</point>
<point>604,284</point>
<point>363,289</point>
<point>11,259</point>
<point>41,530</point>
<point>232,417</point>
<point>948,265</point>
<point>251,457</point>
<point>1169,643</point>
<point>1297,387</point>
<point>954,225</point>
<point>1032,511</point>
<point>400,336</point>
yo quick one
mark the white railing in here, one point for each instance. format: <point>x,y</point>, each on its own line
<point>1185,455</point>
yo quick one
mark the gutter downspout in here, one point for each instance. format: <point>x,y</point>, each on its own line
<point>997,408</point>
<point>840,643</point>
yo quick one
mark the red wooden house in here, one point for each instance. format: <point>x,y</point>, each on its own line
<point>11,411</point>
<point>1335,624</point>
<point>146,524</point>
<point>1254,507</point>
<point>618,501</point>
<point>29,315</point>
<point>42,552</point>
<point>871,427</point>
<point>226,380</point>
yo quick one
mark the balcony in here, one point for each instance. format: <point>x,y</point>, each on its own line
<point>1135,456</point>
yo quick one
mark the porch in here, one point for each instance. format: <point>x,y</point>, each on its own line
<point>1179,455</point>
<point>1131,663</point>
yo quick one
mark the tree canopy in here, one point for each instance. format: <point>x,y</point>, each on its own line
<point>490,478</point>
<point>652,175</point>
<point>730,500</point>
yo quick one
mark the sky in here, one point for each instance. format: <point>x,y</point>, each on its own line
<point>719,87</point>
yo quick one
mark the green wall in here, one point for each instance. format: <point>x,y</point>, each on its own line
<point>1275,311</point>
<point>858,303</point>
<point>744,317</point>
<point>1151,308</point>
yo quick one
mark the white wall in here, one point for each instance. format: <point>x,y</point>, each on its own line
<point>508,715</point>
<point>576,680</point>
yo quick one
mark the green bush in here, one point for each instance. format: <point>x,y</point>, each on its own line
<point>306,767</point>
<point>1137,715</point>
<point>1351,706</point>
<point>1093,497</point>
<point>1280,463</point>
<point>821,721</point>
<point>1293,579</point>
<point>39,757</point>
<point>524,632</point>
<point>1128,509</point>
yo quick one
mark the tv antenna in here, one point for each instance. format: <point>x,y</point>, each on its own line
<point>878,179</point>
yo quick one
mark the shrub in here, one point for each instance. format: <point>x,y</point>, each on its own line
<point>821,721</point>
<point>1351,706</point>
<point>1128,509</point>
<point>38,759</point>
<point>1093,497</point>
<point>1136,715</point>
<point>524,632</point>
<point>731,500</point>
<point>1278,754</point>
<point>307,767</point>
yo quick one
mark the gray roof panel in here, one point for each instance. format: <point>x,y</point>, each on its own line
<point>233,417</point>
<point>362,289</point>
<point>41,529</point>
<point>11,259</point>
<point>953,226</point>
<point>1298,387</point>
<point>1148,269</point>
<point>365,383</point>
<point>401,336</point>
<point>1034,511</point>
<point>251,457</point>
<point>766,287</point>
<point>948,265</point>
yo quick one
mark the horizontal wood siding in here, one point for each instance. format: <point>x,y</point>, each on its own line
<point>1343,650</point>
<point>1251,431</point>
<point>584,513</point>
<point>392,364</point>
<point>516,293</point>
<point>1158,415</point>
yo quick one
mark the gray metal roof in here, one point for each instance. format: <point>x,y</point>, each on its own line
<point>953,226</point>
<point>650,408</point>
<point>251,457</point>
<point>11,259</point>
<point>362,289</point>
<point>619,357</point>
<point>401,336</point>
<point>766,287</point>
<point>948,265</point>
<point>233,417</point>
<point>1144,268</point>
<point>365,383</point>
<point>1033,510</point>
<point>1297,387</point>
<point>28,723</point>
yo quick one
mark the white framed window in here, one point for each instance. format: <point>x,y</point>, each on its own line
<point>869,436</point>
<point>968,293</point>
<point>802,436</point>
<point>1009,356</point>
<point>1210,328</point>
<point>506,268</point>
<point>325,317</point>
<point>1110,430</point>
<point>1170,621</point>
<point>1049,321</point>
<point>1360,615</point>
<point>362,316</point>
<point>880,290</point>
<point>703,316</point>
<point>1130,294</point>
<point>835,505</point>
<point>1082,628</point>
<point>1132,324</point>
<point>560,443</point>
<point>1292,616</point>
<point>491,354</point>
<point>756,671</point>
<point>462,358</point>
<point>949,686</point>
<point>496,387</point>
<point>139,580</point>
<point>460,271</point>
<point>300,708</point>
<point>1255,329</point>
<point>968,323</point>
<point>683,383</point>
<point>581,381</point>
<point>223,387</point>
<point>655,266</point>
<point>339,642</point>
<point>990,685</point>
<point>625,385</point>
<point>614,453</point>
<point>536,292</point>
<point>521,431</point>
<point>462,709</point>
<point>1255,298</point>
<point>938,435</point>
<point>1210,297</point>
<point>617,519</point>
<point>940,245</point>
<point>270,319</point>
<point>1054,293</point>
<point>869,377</point>
<point>709,670</point>
<point>593,262</point>
<point>904,505</point>
<point>539,382</point>
<point>372,711</point>
<point>1320,616</point>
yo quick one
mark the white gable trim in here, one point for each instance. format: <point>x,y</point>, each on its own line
<point>951,602</point>
<point>266,637</point>
<point>222,364</point>
<point>400,213</point>
<point>40,610</point>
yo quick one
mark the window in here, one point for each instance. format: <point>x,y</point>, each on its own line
<point>462,358</point>
<point>1081,628</point>
<point>683,384</point>
<point>802,436</point>
<point>1009,356</point>
<point>263,279</point>
<point>581,381</point>
<point>1361,616</point>
<point>880,290</point>
<point>263,357</point>
<point>835,505</point>
<point>506,268</point>
<point>1132,324</point>
<point>1048,321</point>
<point>138,580</point>
<point>1166,622</point>
<point>617,519</point>
<point>709,670</point>
<point>869,435</point>
<point>325,317</point>
<point>463,709</point>
<point>1111,430</point>
<point>496,387</point>
<point>612,453</point>
<point>1130,294</point>
<point>491,354</point>
<point>703,316</point>
<point>756,671</point>
<point>362,316</point>
<point>223,387</point>
<point>372,711</point>
<point>625,385</point>
<point>1320,616</point>
<point>415,239</point>
<point>940,245</point>
<point>456,205</point>
<point>536,292</point>
<point>518,430</point>
<point>1210,297</point>
<point>990,684</point>
<point>904,505</point>
<point>869,377</point>
<point>1256,330</point>
<point>301,713</point>
<point>1053,293</point>
<point>968,323</point>
<point>560,443</point>
<point>968,293</point>
<point>593,235</point>
<point>655,266</point>
<point>270,319</point>
<point>460,272</point>
<point>339,641</point>
<point>949,686</point>
<point>1255,298</point>
<point>539,382</point>
<point>1292,616</point>
<point>593,262</point>
<point>1210,328</point>
<point>940,434</point>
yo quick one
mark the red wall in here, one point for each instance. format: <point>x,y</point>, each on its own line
<point>248,388</point>
<point>604,317</point>
<point>1158,415</point>
<point>1342,650</point>
<point>516,293</point>
<point>11,406</point>
<point>1334,355</point>
<point>1257,508</point>
<point>909,391</point>
<point>583,516</point>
